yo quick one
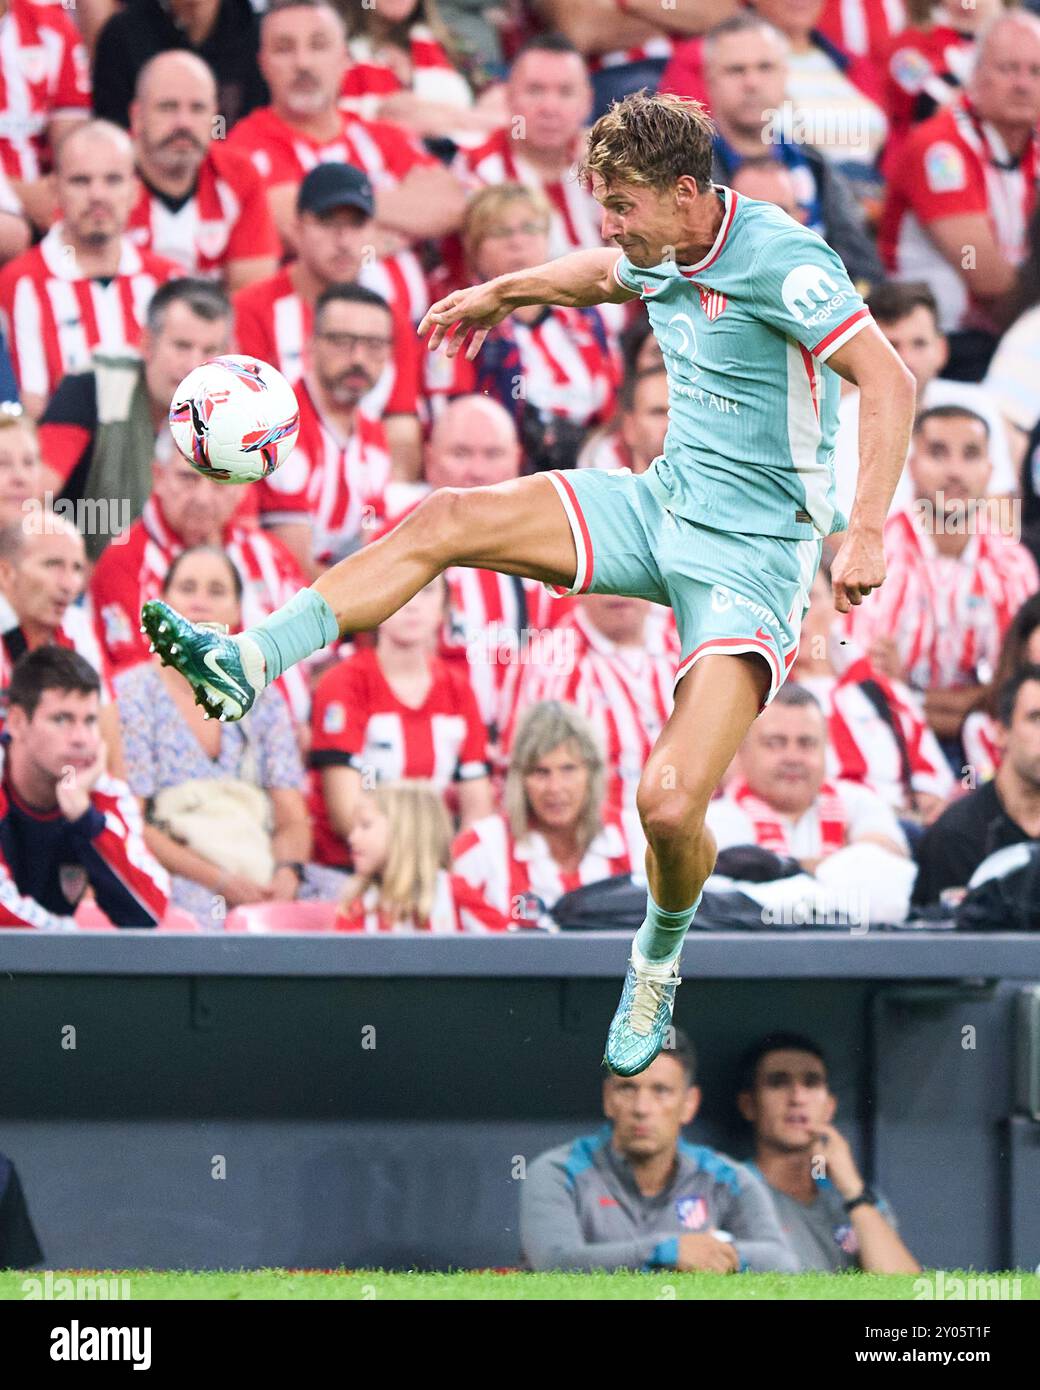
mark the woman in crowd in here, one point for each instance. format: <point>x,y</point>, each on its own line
<point>403,69</point>
<point>400,844</point>
<point>561,357</point>
<point>223,803</point>
<point>21,473</point>
<point>553,836</point>
<point>398,710</point>
<point>980,735</point>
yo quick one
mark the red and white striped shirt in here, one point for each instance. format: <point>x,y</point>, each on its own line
<point>566,369</point>
<point>282,154</point>
<point>120,847</point>
<point>358,721</point>
<point>387,154</point>
<point>862,748</point>
<point>932,62</point>
<point>401,281</point>
<point>74,632</point>
<point>659,46</point>
<point>495,623</point>
<point>43,73</point>
<point>456,908</point>
<point>981,743</point>
<point>225,219</point>
<point>273,322</point>
<point>946,614</point>
<point>952,165</point>
<point>131,570</point>
<point>337,484</point>
<point>577,217</point>
<point>605,450</point>
<point>841,813</point>
<point>624,692</point>
<point>863,28</point>
<point>520,878</point>
<point>368,81</point>
<point>54,318</point>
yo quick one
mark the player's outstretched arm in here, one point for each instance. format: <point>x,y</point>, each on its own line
<point>886,416</point>
<point>577,280</point>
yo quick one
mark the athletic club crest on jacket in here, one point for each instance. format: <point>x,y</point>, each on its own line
<point>712,302</point>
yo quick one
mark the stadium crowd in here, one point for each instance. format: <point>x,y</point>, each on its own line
<point>299,181</point>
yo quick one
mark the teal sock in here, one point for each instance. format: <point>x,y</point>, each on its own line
<point>299,628</point>
<point>660,938</point>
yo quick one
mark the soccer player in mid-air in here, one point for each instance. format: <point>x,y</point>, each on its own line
<point>757,319</point>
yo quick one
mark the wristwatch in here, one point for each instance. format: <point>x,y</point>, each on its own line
<point>867,1198</point>
<point>293,864</point>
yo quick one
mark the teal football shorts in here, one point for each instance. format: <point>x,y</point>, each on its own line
<point>730,592</point>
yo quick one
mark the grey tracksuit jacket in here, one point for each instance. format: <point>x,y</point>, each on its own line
<point>580,1208</point>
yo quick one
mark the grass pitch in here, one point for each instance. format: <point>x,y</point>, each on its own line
<point>488,1285</point>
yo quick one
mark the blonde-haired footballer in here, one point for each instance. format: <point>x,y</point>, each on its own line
<point>756,319</point>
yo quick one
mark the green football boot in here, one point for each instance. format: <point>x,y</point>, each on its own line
<point>640,1027</point>
<point>226,673</point>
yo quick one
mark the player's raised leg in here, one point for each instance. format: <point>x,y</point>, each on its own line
<point>715,704</point>
<point>519,527</point>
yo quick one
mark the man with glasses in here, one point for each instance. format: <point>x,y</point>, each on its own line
<point>334,231</point>
<point>330,490</point>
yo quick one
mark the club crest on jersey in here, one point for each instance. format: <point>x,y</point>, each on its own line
<point>72,880</point>
<point>692,1213</point>
<point>116,625</point>
<point>944,168</point>
<point>334,720</point>
<point>211,237</point>
<point>713,302</point>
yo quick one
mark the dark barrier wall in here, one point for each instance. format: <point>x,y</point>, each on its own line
<point>317,1102</point>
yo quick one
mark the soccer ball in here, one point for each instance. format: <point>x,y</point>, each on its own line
<point>235,419</point>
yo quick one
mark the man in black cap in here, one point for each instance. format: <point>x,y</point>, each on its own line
<point>334,233</point>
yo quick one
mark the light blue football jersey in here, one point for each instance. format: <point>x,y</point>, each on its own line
<point>746,333</point>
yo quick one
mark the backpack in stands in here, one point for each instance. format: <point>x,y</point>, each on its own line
<point>1004,892</point>
<point>619,904</point>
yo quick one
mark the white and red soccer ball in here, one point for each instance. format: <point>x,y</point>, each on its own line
<point>235,419</point>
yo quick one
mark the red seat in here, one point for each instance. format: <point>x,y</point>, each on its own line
<point>178,919</point>
<point>264,919</point>
<point>89,917</point>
